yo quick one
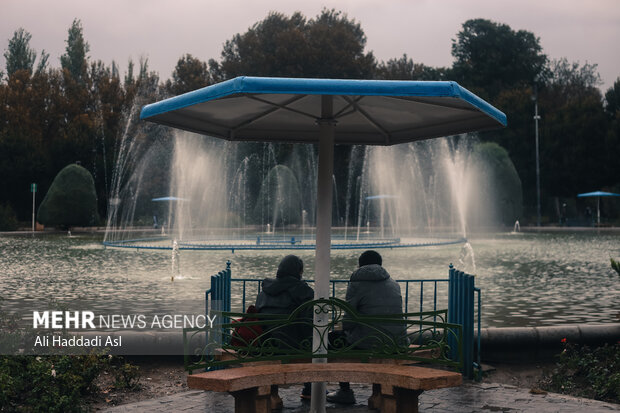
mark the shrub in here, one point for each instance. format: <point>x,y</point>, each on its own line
<point>500,193</point>
<point>48,383</point>
<point>126,375</point>
<point>58,383</point>
<point>71,199</point>
<point>8,219</point>
<point>279,199</point>
<point>585,372</point>
<point>54,383</point>
<point>615,265</point>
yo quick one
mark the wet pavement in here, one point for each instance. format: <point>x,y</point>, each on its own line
<point>470,397</point>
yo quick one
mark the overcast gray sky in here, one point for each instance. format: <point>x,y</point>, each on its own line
<point>163,30</point>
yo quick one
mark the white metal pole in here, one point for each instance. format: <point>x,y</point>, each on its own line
<point>34,193</point>
<point>536,119</point>
<point>323,241</point>
<point>598,210</point>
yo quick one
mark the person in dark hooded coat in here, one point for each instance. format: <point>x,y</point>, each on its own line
<point>283,295</point>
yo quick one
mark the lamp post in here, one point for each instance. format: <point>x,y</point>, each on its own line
<point>33,189</point>
<point>536,119</point>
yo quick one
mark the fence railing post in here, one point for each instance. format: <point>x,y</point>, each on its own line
<point>452,310</point>
<point>461,311</point>
<point>468,326</point>
<point>226,286</point>
<point>214,294</point>
<point>218,296</point>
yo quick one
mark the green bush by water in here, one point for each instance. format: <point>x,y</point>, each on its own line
<point>585,372</point>
<point>47,384</point>
<point>501,191</point>
<point>8,219</point>
<point>279,200</point>
<point>54,383</point>
<point>71,199</point>
<point>58,383</point>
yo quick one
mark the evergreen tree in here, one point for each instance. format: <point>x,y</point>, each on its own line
<point>20,56</point>
<point>612,100</point>
<point>76,53</point>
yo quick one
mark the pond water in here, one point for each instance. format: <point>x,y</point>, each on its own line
<point>526,279</point>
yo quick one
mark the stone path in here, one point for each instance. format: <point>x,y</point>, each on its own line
<point>470,397</point>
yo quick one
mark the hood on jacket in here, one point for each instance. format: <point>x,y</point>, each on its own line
<point>372,272</point>
<point>290,266</point>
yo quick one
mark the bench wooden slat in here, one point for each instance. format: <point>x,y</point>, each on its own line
<point>409,377</point>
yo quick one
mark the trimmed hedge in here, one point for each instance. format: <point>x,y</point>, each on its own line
<point>501,192</point>
<point>71,199</point>
<point>8,219</point>
<point>279,199</point>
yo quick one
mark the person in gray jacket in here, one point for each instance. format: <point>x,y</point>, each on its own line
<point>371,291</point>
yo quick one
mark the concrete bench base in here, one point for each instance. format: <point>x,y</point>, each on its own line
<point>400,385</point>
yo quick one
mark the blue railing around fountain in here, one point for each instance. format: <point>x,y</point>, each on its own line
<point>460,300</point>
<point>273,242</point>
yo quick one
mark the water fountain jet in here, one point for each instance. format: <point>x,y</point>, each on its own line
<point>229,203</point>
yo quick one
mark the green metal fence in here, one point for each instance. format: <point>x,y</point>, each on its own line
<point>457,292</point>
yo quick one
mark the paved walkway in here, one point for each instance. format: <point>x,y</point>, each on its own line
<point>470,397</point>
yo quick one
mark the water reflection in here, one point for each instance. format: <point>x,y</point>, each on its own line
<point>526,279</point>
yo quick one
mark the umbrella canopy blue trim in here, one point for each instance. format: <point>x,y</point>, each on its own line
<point>381,197</point>
<point>597,193</point>
<point>348,87</point>
<point>168,198</point>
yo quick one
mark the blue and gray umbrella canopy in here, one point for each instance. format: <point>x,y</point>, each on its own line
<point>598,195</point>
<point>327,112</point>
<point>369,112</point>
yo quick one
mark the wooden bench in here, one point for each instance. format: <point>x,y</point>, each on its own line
<point>264,361</point>
<point>251,386</point>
